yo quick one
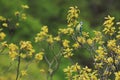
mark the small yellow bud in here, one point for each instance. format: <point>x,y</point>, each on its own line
<point>5,25</point>
<point>23,72</point>
<point>25,6</point>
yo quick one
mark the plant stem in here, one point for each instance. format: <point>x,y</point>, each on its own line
<point>49,76</point>
<point>18,68</point>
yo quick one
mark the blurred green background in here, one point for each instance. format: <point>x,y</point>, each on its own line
<point>53,14</point>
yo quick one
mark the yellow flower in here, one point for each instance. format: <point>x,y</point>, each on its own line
<point>23,16</point>
<point>66,43</point>
<point>117,50</point>
<point>2,18</point>
<point>17,13</point>
<point>110,60</point>
<point>93,77</point>
<point>109,28</point>
<point>76,45</point>
<point>117,75</point>
<point>17,24</point>
<point>68,72</point>
<point>85,34</point>
<point>70,31</point>
<point>25,45</point>
<point>39,56</point>
<point>23,55</point>
<point>75,67</point>
<point>118,36</point>
<point>4,44</point>
<point>87,69</point>
<point>72,16</point>
<point>13,55</point>
<point>50,39</point>
<point>2,36</point>
<point>13,47</point>
<point>42,34</point>
<point>63,31</point>
<point>13,51</point>
<point>67,69</point>
<point>23,72</point>
<point>89,41</point>
<point>42,70</point>
<point>68,52</point>
<point>109,21</point>
<point>111,44</point>
<point>81,40</point>
<point>57,38</point>
<point>31,52</point>
<point>100,51</point>
<point>25,6</point>
<point>5,25</point>
<point>45,29</point>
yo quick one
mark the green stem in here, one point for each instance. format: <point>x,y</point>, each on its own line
<point>49,77</point>
<point>18,68</point>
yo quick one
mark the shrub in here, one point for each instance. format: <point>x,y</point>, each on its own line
<point>104,48</point>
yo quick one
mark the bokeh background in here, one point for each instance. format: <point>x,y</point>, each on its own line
<point>53,14</point>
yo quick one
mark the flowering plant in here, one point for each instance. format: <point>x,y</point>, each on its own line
<point>104,48</point>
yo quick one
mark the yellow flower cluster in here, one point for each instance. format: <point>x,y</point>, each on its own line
<point>67,52</point>
<point>118,33</point>
<point>4,44</point>
<point>98,37</point>
<point>25,50</point>
<point>81,40</point>
<point>111,44</point>
<point>117,75</point>
<point>39,56</point>
<point>66,43</point>
<point>76,45</point>
<point>57,38</point>
<point>90,41</point>
<point>102,60</point>
<point>27,47</point>
<point>85,34</point>
<point>2,18</point>
<point>75,72</point>
<point>101,53</point>
<point>42,34</point>
<point>70,69</point>
<point>50,39</point>
<point>72,16</point>
<point>13,51</point>
<point>109,25</point>
<point>3,21</point>
<point>68,31</point>
<point>21,14</point>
